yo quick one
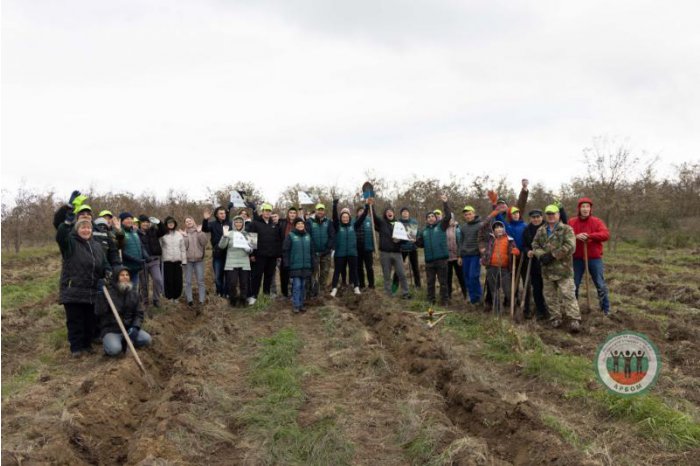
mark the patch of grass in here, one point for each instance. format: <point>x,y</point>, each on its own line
<point>566,432</point>
<point>562,369</point>
<point>418,434</point>
<point>29,292</point>
<point>35,252</point>
<point>26,375</point>
<point>272,417</point>
<point>57,338</point>
<point>652,417</point>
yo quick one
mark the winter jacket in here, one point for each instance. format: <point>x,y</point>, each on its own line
<point>236,258</point>
<point>195,244</point>
<point>433,238</point>
<point>487,257</point>
<point>515,229</point>
<point>385,227</point>
<point>408,246</point>
<point>528,237</point>
<point>469,241</point>
<point>84,265</point>
<point>215,228</point>
<point>322,234</point>
<point>560,242</point>
<point>173,246</point>
<point>269,237</point>
<point>298,251</point>
<point>127,303</point>
<point>108,240</point>
<point>597,232</point>
<point>151,240</point>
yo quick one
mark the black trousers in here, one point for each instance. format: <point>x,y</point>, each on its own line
<point>535,290</point>
<point>237,281</point>
<point>365,262</point>
<point>284,280</point>
<point>264,273</point>
<point>81,324</point>
<point>340,264</point>
<point>437,269</point>
<point>454,268</point>
<point>172,280</point>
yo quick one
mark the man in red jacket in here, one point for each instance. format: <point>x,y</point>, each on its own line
<point>592,231</point>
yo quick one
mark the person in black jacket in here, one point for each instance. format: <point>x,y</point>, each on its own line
<point>83,267</point>
<point>215,226</point>
<point>103,234</point>
<point>128,305</point>
<point>389,250</point>
<point>269,250</point>
<point>150,235</point>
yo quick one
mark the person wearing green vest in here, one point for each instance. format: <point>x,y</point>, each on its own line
<point>433,240</point>
<point>365,249</point>
<point>345,256</point>
<point>323,238</point>
<point>298,257</point>
<point>133,255</point>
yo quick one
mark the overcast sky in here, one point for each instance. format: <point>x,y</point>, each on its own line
<point>150,95</point>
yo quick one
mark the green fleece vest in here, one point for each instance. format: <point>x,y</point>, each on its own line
<point>346,241</point>
<point>435,243</point>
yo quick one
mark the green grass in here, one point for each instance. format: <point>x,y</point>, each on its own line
<point>26,375</point>
<point>276,378</point>
<point>504,343</point>
<point>35,252</point>
<point>29,292</point>
<point>568,434</point>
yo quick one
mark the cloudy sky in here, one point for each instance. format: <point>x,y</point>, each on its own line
<point>147,95</point>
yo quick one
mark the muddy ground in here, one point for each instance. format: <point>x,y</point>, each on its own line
<point>380,386</point>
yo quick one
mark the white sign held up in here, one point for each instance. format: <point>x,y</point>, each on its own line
<point>399,232</point>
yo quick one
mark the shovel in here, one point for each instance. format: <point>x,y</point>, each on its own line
<point>126,336</point>
<point>588,275</point>
<point>368,188</point>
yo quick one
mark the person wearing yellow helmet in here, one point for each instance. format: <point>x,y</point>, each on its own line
<point>323,237</point>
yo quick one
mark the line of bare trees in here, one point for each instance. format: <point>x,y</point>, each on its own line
<point>627,194</point>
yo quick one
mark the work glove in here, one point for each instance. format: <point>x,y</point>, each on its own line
<point>76,199</point>
<point>546,258</point>
<point>250,205</point>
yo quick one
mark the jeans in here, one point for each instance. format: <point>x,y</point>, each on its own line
<point>341,263</point>
<point>298,292</point>
<point>218,264</point>
<point>114,343</point>
<point>471,270</point>
<point>595,268</point>
<point>437,269</point>
<point>389,260</point>
<point>81,324</point>
<point>365,262</point>
<point>197,268</point>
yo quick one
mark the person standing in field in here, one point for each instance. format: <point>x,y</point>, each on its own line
<point>195,245</point>
<point>365,249</point>
<point>409,249</point>
<point>454,262</point>
<point>389,250</point>
<point>298,257</point>
<point>433,240</point>
<point>323,237</point>
<point>345,257</point>
<point>591,233</point>
<point>498,258</point>
<point>553,246</point>
<point>237,265</point>
<point>268,251</point>
<point>215,228</point>
<point>174,259</point>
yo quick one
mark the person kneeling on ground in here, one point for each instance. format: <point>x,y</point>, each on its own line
<point>298,257</point>
<point>128,304</point>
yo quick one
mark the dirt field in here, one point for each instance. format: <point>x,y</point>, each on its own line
<point>355,380</point>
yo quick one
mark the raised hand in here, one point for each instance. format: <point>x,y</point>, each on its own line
<point>443,197</point>
<point>525,183</point>
<point>116,223</point>
<point>199,228</point>
<point>226,229</point>
<point>206,214</point>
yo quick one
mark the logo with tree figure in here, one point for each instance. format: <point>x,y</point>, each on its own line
<point>628,363</point>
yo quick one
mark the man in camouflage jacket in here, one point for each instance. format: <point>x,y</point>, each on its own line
<point>554,246</point>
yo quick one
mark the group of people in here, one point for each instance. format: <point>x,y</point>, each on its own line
<point>126,256</point>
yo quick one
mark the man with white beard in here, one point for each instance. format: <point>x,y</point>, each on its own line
<point>128,304</point>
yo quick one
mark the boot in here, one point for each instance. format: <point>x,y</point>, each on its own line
<point>356,290</point>
<point>334,291</point>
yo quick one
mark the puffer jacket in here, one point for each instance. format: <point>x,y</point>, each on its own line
<point>84,266</point>
<point>127,303</point>
<point>469,241</point>
<point>195,244</point>
<point>385,227</point>
<point>173,245</point>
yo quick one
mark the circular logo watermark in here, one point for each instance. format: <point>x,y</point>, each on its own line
<point>628,363</point>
